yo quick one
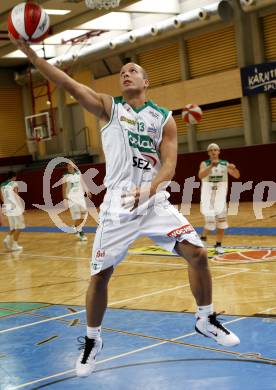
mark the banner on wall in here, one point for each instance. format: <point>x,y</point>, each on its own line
<point>260,78</point>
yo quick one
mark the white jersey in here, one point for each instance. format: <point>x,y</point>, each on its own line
<point>214,188</point>
<point>218,174</point>
<point>131,143</point>
<point>74,188</point>
<point>12,204</point>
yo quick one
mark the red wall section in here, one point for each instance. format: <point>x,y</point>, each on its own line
<point>256,163</point>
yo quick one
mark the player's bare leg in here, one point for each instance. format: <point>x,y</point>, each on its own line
<point>96,297</point>
<point>8,240</point>
<point>96,303</point>
<point>198,271</point>
<point>200,280</point>
<point>204,235</point>
<point>218,246</point>
<point>80,233</point>
<point>15,246</point>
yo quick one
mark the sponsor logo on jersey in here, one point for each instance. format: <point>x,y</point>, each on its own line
<point>185,229</point>
<point>141,142</point>
<point>151,159</point>
<point>127,120</point>
<point>141,163</point>
<point>215,179</point>
<point>100,253</point>
<point>154,114</point>
<point>152,129</point>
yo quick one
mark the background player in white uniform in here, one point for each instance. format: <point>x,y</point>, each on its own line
<point>73,192</point>
<point>13,209</point>
<point>214,185</point>
<point>140,145</point>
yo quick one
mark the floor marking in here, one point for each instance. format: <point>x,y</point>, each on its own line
<point>268,254</point>
<point>122,263</point>
<point>18,312</point>
<point>47,340</point>
<point>111,304</point>
<point>169,289</point>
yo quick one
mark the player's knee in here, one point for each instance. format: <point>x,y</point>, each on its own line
<point>200,258</point>
<point>101,279</point>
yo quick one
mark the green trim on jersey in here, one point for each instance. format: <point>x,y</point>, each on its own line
<point>112,113</point>
<point>118,99</point>
<point>164,111</point>
<point>7,182</point>
<point>148,103</point>
<point>222,162</point>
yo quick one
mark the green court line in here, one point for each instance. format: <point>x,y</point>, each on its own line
<point>7,308</point>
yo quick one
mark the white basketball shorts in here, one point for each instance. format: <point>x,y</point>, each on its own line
<point>162,222</point>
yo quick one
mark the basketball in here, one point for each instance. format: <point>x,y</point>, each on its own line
<point>28,21</point>
<point>192,114</point>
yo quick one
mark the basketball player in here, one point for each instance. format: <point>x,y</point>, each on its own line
<point>73,194</point>
<point>140,144</point>
<point>214,177</point>
<point>14,210</point>
<point>1,217</point>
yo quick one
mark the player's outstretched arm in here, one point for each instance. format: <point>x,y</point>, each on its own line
<point>97,103</point>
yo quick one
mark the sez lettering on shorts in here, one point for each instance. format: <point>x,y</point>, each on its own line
<point>186,229</point>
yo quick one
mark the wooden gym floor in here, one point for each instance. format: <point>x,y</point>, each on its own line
<point>54,268</point>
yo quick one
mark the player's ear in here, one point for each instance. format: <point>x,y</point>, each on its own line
<point>146,83</point>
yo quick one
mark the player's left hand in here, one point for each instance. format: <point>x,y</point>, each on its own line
<point>89,195</point>
<point>136,197</point>
<point>231,166</point>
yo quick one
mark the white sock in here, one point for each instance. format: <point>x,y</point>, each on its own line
<point>93,333</point>
<point>205,311</point>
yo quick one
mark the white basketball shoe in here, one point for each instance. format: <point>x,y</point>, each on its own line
<point>219,250</point>
<point>211,327</point>
<point>7,242</point>
<point>82,236</point>
<point>86,362</point>
<point>16,247</point>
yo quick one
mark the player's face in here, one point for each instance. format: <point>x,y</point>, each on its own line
<point>213,153</point>
<point>70,168</point>
<point>132,79</point>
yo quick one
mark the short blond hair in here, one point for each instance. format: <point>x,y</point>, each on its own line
<point>213,146</point>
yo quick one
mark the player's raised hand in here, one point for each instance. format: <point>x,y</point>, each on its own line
<point>20,43</point>
<point>214,163</point>
<point>231,166</point>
